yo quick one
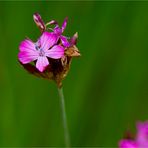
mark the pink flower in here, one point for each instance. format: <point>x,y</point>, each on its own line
<point>58,31</point>
<point>127,144</point>
<point>141,140</point>
<point>40,51</point>
<point>50,57</point>
<point>142,134</point>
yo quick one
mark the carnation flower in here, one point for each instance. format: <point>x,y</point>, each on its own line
<point>40,51</point>
<point>51,55</point>
<point>141,139</point>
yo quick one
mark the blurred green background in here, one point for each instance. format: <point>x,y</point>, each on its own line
<point>106,90</point>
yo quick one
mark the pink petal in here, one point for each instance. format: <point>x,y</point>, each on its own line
<point>127,144</point>
<point>27,53</point>
<point>64,24</point>
<point>55,52</point>
<point>27,44</point>
<point>47,40</point>
<point>142,133</point>
<point>64,41</point>
<point>73,40</point>
<point>42,63</point>
<point>39,22</point>
<point>57,30</point>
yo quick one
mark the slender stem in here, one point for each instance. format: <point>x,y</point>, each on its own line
<point>64,118</point>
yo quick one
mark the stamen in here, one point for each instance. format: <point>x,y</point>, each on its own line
<point>50,29</point>
<point>41,53</point>
<point>37,46</point>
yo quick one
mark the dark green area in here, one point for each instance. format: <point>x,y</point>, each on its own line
<point>106,90</point>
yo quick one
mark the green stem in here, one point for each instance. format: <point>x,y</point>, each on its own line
<point>64,118</point>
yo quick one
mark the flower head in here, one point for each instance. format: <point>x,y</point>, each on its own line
<point>141,140</point>
<point>50,57</point>
<point>40,51</point>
